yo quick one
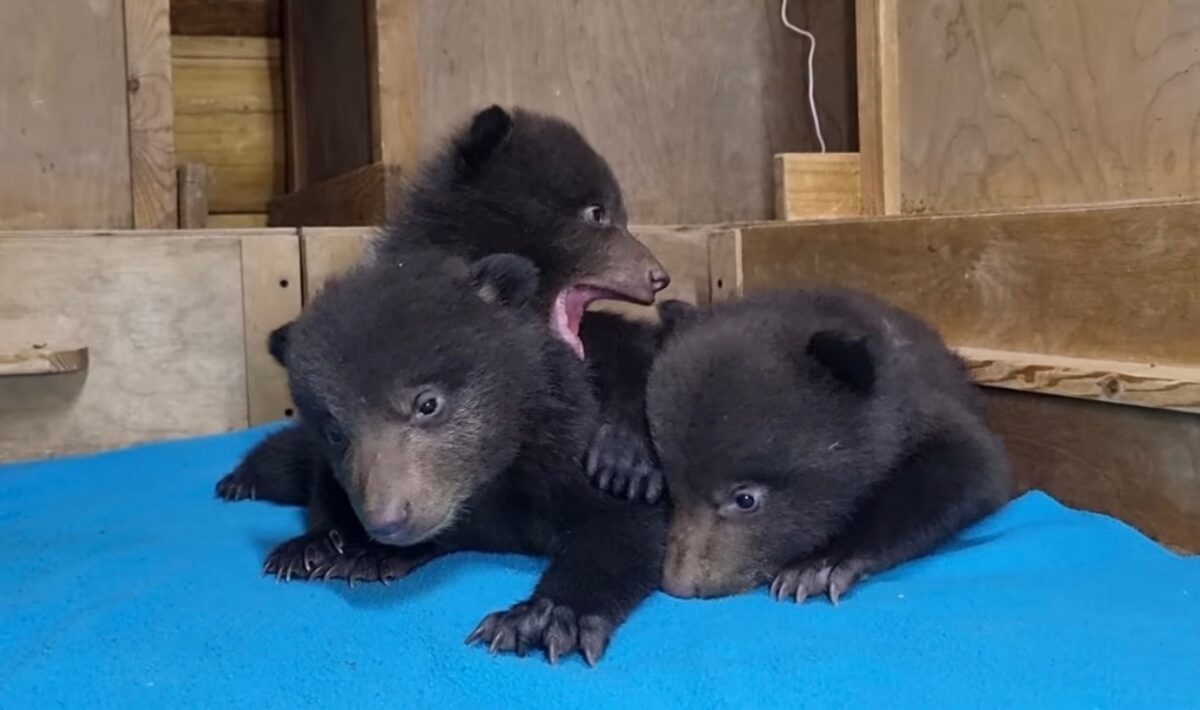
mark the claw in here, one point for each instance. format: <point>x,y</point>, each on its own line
<point>552,652</point>
<point>834,592</point>
<point>335,539</point>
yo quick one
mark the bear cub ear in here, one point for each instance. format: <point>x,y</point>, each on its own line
<point>505,279</point>
<point>277,343</point>
<point>489,130</point>
<point>846,357</point>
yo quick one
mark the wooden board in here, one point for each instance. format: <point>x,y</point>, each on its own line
<point>879,103</point>
<point>151,114</point>
<point>360,197</point>
<point>1116,283</point>
<point>164,318</point>
<point>817,185</point>
<point>1026,102</point>
<point>193,196</point>
<point>1139,384</point>
<point>46,345</point>
<point>1140,465</point>
<point>65,155</point>
<point>328,252</point>
<point>258,18</point>
<point>229,116</point>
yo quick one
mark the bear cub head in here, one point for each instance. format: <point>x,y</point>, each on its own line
<point>416,378</point>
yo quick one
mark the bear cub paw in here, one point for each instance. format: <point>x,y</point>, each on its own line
<point>236,486</point>
<point>540,623</point>
<point>620,463</point>
<point>329,555</point>
<point>831,577</point>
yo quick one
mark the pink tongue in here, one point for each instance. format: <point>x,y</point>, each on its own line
<point>568,311</point>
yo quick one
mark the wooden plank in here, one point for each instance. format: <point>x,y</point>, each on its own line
<point>238,220</point>
<point>193,196</point>
<point>1140,465</point>
<point>271,290</point>
<point>162,317</point>
<point>327,76</point>
<point>395,82</point>
<point>228,106</point>
<point>1115,283</point>
<point>1026,103</point>
<point>64,158</point>
<point>725,265</point>
<point>328,252</point>
<point>817,185</point>
<point>42,346</point>
<point>359,197</point>
<point>879,104</point>
<point>225,17</point>
<point>1139,384</point>
<point>731,68</point>
<point>151,114</point>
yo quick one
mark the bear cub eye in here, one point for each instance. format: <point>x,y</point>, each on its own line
<point>334,434</point>
<point>427,404</point>
<point>743,500</point>
<point>596,214</point>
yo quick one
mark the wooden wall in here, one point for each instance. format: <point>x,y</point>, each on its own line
<point>1028,102</point>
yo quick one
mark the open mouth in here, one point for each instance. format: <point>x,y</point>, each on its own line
<point>570,305</point>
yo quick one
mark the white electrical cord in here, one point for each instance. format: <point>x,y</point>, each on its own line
<point>812,76</point>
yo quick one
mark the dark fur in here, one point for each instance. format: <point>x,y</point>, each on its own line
<point>518,417</point>
<point>854,429</point>
<point>520,182</point>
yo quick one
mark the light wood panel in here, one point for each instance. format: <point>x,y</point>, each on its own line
<point>879,104</point>
<point>816,185</point>
<point>229,116</point>
<point>271,296</point>
<point>1026,102</point>
<point>151,114</point>
<point>1139,465</point>
<point>64,157</point>
<point>1117,283</point>
<point>41,346</point>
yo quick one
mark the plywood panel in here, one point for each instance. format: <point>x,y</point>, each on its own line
<point>228,115</point>
<point>162,317</point>
<point>1140,465</point>
<point>1120,283</point>
<point>1027,102</point>
<point>271,288</point>
<point>64,158</point>
<point>688,99</point>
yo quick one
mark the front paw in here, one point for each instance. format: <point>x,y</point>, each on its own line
<point>236,486</point>
<point>540,623</point>
<point>620,463</point>
<point>832,577</point>
<point>326,554</point>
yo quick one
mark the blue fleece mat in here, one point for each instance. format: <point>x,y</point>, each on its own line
<point>124,583</point>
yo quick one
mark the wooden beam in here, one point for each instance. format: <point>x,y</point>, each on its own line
<point>1139,384</point>
<point>878,105</point>
<point>229,18</point>
<point>395,82</point>
<point>151,113</point>
<point>817,185</point>
<point>271,294</point>
<point>1110,283</point>
<point>1139,465</point>
<point>359,197</point>
<point>193,196</point>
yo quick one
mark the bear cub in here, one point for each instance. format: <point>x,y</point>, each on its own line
<point>462,432</point>
<point>811,439</point>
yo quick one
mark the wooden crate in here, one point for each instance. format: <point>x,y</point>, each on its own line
<point>172,327</point>
<point>85,96</point>
<point>688,99</point>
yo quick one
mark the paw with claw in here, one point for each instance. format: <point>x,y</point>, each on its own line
<point>619,462</point>
<point>327,554</point>
<point>236,486</point>
<point>541,624</point>
<point>831,577</point>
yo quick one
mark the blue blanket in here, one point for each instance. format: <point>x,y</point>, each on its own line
<point>124,583</point>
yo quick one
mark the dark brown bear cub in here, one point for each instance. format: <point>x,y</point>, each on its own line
<point>811,439</point>
<point>461,432</point>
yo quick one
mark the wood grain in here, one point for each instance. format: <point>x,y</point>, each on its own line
<point>359,197</point>
<point>162,317</point>
<point>330,251</point>
<point>41,346</point>
<point>151,114</point>
<point>229,116</point>
<point>271,294</point>
<point>258,18</point>
<point>395,82</point>
<point>1115,283</point>
<point>238,220</point>
<point>64,157</point>
<point>1139,384</point>
<point>879,104</point>
<point>1025,102</point>
<point>193,196</point>
<point>1139,465</point>
<point>817,185</point>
